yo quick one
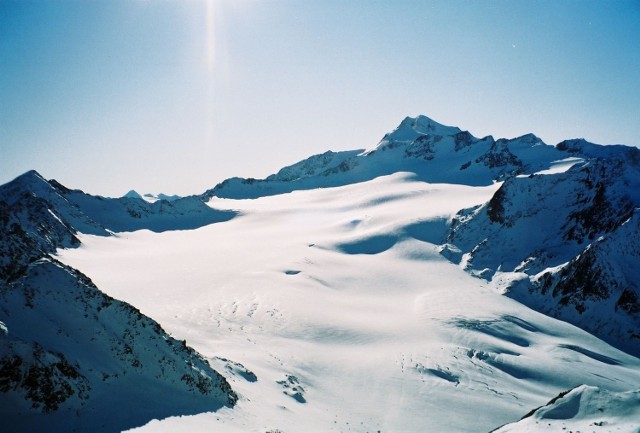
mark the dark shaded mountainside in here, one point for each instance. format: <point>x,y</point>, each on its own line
<point>71,357</point>
<point>561,234</point>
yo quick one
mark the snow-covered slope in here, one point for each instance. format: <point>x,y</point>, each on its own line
<point>584,408</point>
<point>340,314</point>
<point>71,357</point>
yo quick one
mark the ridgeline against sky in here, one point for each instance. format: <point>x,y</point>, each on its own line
<point>176,96</point>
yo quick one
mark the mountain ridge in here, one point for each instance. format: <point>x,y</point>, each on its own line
<point>434,152</point>
<point>71,356</point>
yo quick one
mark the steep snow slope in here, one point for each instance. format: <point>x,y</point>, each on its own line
<point>72,358</point>
<point>333,310</point>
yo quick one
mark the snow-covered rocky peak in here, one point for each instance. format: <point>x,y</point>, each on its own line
<point>32,185</point>
<point>132,194</point>
<point>581,147</point>
<point>317,165</point>
<point>29,181</point>
<point>413,127</point>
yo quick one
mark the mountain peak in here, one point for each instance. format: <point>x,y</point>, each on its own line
<point>530,138</point>
<point>30,177</point>
<point>30,182</point>
<point>132,194</point>
<point>413,127</point>
<point>425,125</point>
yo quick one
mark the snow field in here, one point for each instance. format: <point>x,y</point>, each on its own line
<point>338,301</point>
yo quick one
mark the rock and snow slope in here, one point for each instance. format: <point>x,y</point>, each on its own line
<point>336,306</point>
<point>71,357</point>
<point>75,359</point>
<point>566,244</point>
<point>87,213</point>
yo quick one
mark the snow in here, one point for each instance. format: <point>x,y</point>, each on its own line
<point>55,216</point>
<point>586,409</point>
<point>341,304</point>
<point>560,166</point>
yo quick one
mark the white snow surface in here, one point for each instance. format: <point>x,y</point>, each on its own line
<point>341,304</point>
<point>559,166</point>
<point>585,409</point>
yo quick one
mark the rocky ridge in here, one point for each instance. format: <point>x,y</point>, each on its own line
<point>72,357</point>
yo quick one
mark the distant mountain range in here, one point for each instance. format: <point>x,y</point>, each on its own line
<point>561,235</point>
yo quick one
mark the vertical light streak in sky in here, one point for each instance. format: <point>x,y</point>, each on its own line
<point>210,59</point>
<point>210,43</point>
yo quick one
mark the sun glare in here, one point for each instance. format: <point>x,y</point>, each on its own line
<point>210,45</point>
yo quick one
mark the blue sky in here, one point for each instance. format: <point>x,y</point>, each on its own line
<point>175,96</point>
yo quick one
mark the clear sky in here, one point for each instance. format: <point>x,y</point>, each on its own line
<point>175,96</point>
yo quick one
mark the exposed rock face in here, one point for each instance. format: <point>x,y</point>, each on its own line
<point>316,165</point>
<point>71,357</point>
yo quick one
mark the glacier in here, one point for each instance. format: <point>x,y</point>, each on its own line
<point>434,282</point>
